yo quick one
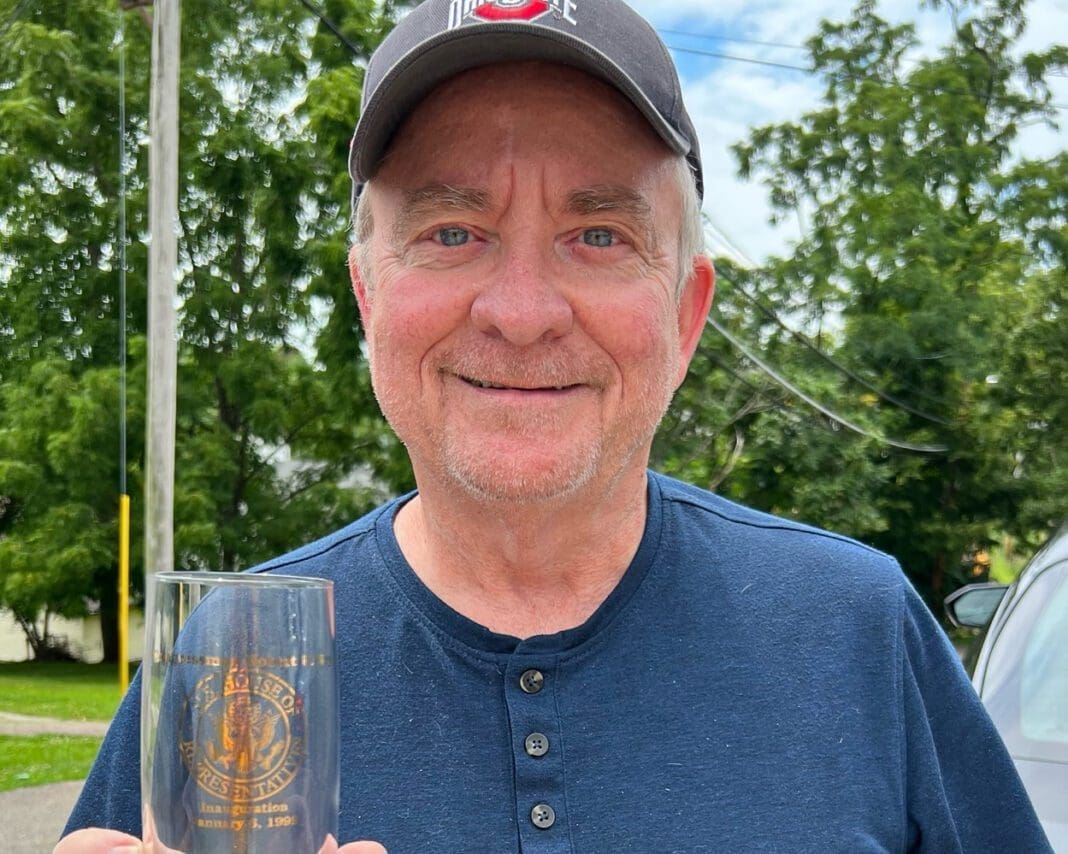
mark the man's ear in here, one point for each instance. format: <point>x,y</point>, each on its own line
<point>359,286</point>
<point>694,304</point>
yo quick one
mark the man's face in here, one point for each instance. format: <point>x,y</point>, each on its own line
<point>524,332</point>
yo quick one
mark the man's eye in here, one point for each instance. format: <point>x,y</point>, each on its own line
<point>453,236</point>
<point>600,237</point>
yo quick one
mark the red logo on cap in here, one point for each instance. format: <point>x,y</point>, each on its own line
<point>512,10</point>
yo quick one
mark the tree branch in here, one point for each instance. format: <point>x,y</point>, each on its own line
<point>732,461</point>
<point>139,6</point>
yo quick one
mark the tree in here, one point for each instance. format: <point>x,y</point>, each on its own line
<point>59,549</point>
<point>277,425</point>
<point>921,252</point>
<point>58,299</point>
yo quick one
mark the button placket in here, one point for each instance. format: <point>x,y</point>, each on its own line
<point>537,756</point>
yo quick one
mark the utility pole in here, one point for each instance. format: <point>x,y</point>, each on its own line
<point>162,290</point>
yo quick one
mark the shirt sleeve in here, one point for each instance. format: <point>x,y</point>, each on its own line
<point>964,794</point>
<point>111,796</point>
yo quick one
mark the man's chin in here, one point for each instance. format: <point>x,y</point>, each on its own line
<point>522,481</point>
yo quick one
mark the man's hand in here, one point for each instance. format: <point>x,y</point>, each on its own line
<point>95,840</point>
<point>331,847</point>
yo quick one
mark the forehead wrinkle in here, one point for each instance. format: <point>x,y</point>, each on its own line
<point>435,198</point>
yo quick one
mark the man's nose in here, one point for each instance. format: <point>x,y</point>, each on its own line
<point>521,303</point>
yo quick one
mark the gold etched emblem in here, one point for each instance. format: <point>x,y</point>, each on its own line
<point>243,737</point>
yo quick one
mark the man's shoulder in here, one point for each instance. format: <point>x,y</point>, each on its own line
<point>775,542</point>
<point>323,557</point>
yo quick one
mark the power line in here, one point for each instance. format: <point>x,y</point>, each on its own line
<point>748,262</point>
<point>753,387</point>
<point>761,393</point>
<point>937,90</point>
<point>737,39</point>
<point>122,252</point>
<point>834,363</point>
<point>815,404</point>
<point>331,26</point>
<point>751,60</point>
<point>728,241</point>
<point>124,498</point>
<point>783,45</point>
<point>774,317</point>
<point>10,22</point>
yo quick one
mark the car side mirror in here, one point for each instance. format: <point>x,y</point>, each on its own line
<point>974,604</point>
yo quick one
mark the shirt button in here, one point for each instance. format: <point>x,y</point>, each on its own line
<point>531,681</point>
<point>543,816</point>
<point>536,744</point>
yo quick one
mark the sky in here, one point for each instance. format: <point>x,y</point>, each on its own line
<point>726,97</point>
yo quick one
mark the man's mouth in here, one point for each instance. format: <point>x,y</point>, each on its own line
<point>491,385</point>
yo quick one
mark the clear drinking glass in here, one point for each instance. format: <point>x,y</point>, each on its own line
<point>239,714</point>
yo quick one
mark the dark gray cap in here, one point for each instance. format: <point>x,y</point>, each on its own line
<point>439,39</point>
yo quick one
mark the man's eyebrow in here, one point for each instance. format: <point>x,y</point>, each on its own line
<point>434,198</point>
<point>610,197</point>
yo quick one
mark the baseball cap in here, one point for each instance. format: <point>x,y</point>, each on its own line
<point>439,39</point>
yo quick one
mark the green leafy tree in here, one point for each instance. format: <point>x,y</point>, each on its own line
<point>59,320</point>
<point>58,531</point>
<point>927,241</point>
<point>278,432</point>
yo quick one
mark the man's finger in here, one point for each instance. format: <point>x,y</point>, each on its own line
<point>95,840</point>
<point>331,847</point>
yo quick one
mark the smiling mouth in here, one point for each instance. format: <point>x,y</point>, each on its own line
<point>489,385</point>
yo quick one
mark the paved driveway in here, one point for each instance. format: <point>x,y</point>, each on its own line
<point>33,817</point>
<point>12,724</point>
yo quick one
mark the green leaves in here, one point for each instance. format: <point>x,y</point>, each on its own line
<point>269,444</point>
<point>933,272</point>
<point>58,470</point>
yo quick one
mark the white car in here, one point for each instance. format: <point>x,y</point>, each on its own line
<point>1019,666</point>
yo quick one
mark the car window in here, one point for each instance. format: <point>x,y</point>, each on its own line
<point>1026,683</point>
<point>1044,677</point>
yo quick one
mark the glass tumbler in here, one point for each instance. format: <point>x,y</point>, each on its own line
<point>239,714</point>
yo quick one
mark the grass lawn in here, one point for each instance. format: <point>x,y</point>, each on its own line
<point>80,692</point>
<point>32,760</point>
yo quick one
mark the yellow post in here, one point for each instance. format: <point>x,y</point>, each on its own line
<point>124,592</point>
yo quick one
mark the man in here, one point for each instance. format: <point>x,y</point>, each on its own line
<point>547,648</point>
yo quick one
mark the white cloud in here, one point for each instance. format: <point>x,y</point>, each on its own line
<point>1047,21</point>
<point>726,98</point>
<point>724,106</point>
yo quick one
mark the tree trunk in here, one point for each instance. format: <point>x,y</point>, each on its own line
<point>938,577</point>
<point>33,636</point>
<point>109,621</point>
